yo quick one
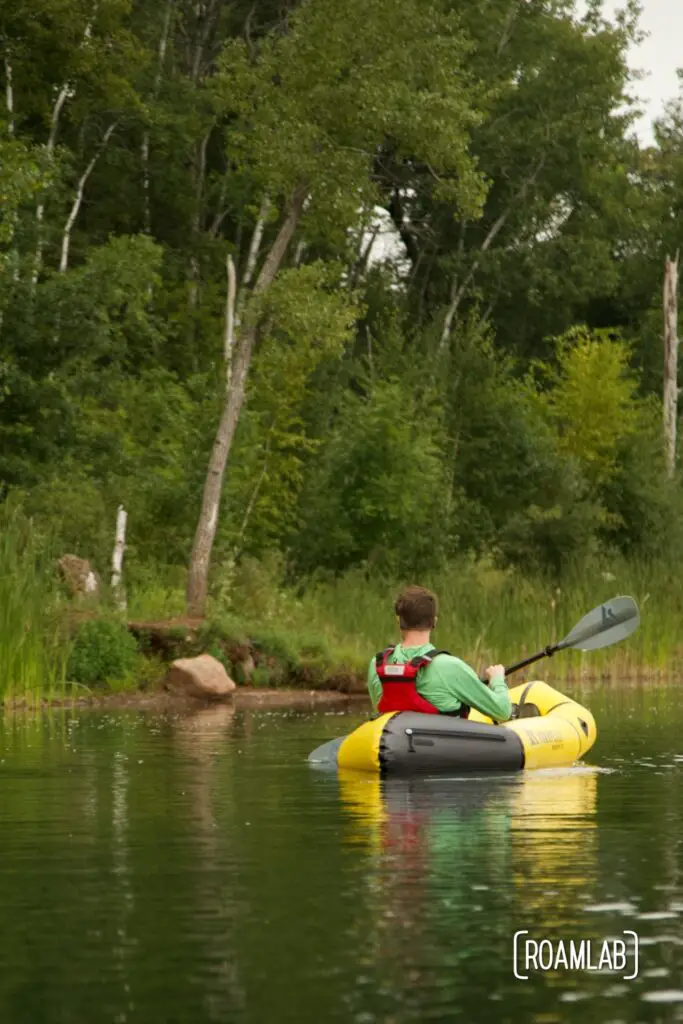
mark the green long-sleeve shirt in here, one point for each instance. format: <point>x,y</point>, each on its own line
<point>447,683</point>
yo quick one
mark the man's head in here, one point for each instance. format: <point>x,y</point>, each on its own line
<point>416,609</point>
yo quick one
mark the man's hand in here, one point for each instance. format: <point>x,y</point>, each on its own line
<point>494,670</point>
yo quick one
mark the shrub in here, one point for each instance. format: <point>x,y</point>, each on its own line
<point>376,490</point>
<point>103,650</point>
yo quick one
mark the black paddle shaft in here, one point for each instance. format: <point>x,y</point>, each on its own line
<point>547,652</point>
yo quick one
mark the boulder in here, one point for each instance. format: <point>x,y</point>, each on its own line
<point>79,576</point>
<point>203,677</point>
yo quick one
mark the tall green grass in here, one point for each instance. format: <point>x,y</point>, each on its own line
<point>486,615</point>
<point>33,651</point>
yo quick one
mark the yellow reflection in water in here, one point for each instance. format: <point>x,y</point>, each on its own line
<point>528,840</point>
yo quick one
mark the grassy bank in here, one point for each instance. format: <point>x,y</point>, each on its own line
<point>316,636</point>
<point>486,615</point>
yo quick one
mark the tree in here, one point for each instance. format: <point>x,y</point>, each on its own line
<point>311,110</point>
<point>552,147</point>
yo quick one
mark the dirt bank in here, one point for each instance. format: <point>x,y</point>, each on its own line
<point>160,700</point>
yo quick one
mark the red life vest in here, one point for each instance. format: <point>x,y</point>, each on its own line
<point>399,686</point>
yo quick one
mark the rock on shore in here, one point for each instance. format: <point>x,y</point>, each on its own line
<point>203,677</point>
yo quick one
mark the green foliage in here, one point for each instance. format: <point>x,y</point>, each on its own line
<point>604,483</point>
<point>103,651</point>
<point>343,78</point>
<point>145,673</point>
<point>487,614</point>
<point>32,651</point>
<point>592,401</point>
<point>20,179</point>
<point>378,493</point>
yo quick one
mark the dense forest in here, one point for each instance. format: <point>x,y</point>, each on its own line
<point>381,277</point>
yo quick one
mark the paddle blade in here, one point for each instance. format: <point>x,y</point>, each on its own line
<point>607,624</point>
<point>326,753</point>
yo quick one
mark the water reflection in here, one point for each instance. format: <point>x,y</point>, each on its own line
<point>201,737</point>
<point>459,864</point>
<point>539,814</point>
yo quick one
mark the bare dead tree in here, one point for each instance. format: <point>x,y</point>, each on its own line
<point>117,558</point>
<point>9,95</point>
<point>670,360</point>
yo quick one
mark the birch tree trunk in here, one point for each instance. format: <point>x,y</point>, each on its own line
<point>117,557</point>
<point>200,559</point>
<point>194,273</point>
<point>50,149</point>
<point>256,239</point>
<point>670,360</point>
<point>458,291</point>
<point>65,92</point>
<point>9,96</point>
<point>78,199</point>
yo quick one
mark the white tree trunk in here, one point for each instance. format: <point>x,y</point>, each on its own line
<point>229,321</point>
<point>64,93</point>
<point>50,149</point>
<point>200,176</point>
<point>117,557</point>
<point>161,58</point>
<point>458,291</point>
<point>252,259</point>
<point>78,199</point>
<point>200,559</point>
<point>670,360</point>
<point>256,239</point>
<point>9,94</point>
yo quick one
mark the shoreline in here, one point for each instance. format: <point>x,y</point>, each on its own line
<point>254,697</point>
<point>277,670</point>
<point>244,698</point>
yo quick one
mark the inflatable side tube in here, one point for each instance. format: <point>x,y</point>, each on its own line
<point>411,742</point>
<point>360,750</point>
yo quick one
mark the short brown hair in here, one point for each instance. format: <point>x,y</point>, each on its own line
<point>416,608</point>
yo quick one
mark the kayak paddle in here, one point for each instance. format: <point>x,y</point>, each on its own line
<point>607,624</point>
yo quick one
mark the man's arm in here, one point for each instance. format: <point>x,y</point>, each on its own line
<point>492,700</point>
<point>374,685</point>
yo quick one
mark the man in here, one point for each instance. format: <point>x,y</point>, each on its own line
<point>413,676</point>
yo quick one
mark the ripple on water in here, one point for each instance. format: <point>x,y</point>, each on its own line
<point>659,940</point>
<point>657,915</point>
<point>669,995</point>
<point>618,907</point>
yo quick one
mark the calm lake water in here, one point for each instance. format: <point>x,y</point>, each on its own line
<point>172,870</point>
